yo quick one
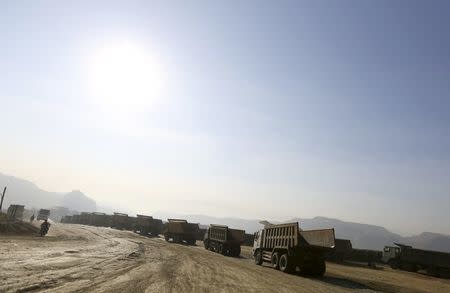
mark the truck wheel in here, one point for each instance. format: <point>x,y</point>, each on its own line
<point>258,258</point>
<point>409,267</point>
<point>393,264</point>
<point>318,268</point>
<point>237,251</point>
<point>286,263</point>
<point>206,244</point>
<point>166,237</point>
<point>275,261</point>
<point>433,271</point>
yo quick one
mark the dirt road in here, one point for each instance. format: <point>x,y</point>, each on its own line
<point>75,258</point>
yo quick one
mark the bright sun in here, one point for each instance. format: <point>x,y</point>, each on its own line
<point>124,77</point>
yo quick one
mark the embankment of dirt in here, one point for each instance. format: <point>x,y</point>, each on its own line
<point>17,228</point>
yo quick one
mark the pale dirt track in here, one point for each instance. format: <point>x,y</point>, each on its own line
<point>75,258</point>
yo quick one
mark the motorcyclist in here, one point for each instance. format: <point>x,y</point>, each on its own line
<point>44,228</point>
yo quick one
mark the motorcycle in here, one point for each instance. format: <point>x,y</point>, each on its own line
<point>44,229</point>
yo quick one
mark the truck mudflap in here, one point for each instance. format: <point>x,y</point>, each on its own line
<point>321,239</point>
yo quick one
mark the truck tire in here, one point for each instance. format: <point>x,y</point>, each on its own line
<point>393,264</point>
<point>225,250</point>
<point>433,271</point>
<point>206,244</point>
<point>237,251</point>
<point>166,237</point>
<point>409,267</point>
<point>286,264</point>
<point>315,267</point>
<point>258,257</point>
<point>319,268</point>
<point>275,260</point>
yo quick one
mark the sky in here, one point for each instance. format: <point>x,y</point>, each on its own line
<point>251,109</point>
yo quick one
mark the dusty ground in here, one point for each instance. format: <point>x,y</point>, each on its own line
<point>74,258</point>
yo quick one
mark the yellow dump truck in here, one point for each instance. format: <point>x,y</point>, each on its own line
<point>224,240</point>
<point>180,231</point>
<point>286,248</point>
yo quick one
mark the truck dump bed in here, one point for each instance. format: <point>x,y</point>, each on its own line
<point>178,226</point>
<point>120,220</point>
<point>323,238</point>
<point>43,214</point>
<point>225,234</point>
<point>289,235</point>
<point>85,218</point>
<point>424,257</point>
<point>236,235</point>
<point>99,219</point>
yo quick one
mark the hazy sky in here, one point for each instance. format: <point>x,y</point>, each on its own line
<point>253,109</point>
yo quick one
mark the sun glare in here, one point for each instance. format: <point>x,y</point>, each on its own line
<point>124,77</point>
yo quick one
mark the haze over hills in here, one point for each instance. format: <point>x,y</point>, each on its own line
<point>362,235</point>
<point>20,191</point>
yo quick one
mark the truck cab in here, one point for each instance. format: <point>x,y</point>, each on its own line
<point>256,242</point>
<point>389,253</point>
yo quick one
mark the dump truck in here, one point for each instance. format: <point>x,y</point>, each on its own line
<point>180,230</point>
<point>201,234</point>
<point>147,225</point>
<point>248,239</point>
<point>286,247</point>
<point>342,250</point>
<point>65,219</point>
<point>85,218</point>
<point>76,219</point>
<point>224,240</point>
<point>100,219</point>
<point>405,257</point>
<point>43,215</point>
<point>120,221</point>
<point>15,212</point>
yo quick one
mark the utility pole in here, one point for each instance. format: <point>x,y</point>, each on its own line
<point>3,195</point>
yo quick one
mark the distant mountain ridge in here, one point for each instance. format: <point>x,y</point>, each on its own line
<point>20,191</point>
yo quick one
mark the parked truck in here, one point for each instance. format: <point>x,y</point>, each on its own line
<point>120,221</point>
<point>100,219</point>
<point>342,250</point>
<point>85,218</point>
<point>68,219</point>
<point>181,231</point>
<point>286,247</point>
<point>43,215</point>
<point>147,225</point>
<point>411,259</point>
<point>224,240</point>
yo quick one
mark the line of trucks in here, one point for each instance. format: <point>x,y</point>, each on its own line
<point>284,247</point>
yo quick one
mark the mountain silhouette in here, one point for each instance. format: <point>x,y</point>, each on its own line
<point>20,191</point>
